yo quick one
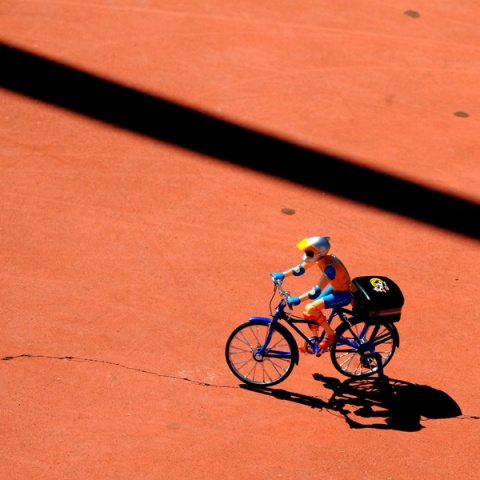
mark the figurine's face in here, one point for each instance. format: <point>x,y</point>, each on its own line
<point>314,248</point>
<point>311,256</point>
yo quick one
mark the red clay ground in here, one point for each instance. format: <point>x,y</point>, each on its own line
<point>128,261</point>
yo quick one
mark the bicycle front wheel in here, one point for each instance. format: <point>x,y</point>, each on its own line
<point>256,360</point>
<point>362,348</point>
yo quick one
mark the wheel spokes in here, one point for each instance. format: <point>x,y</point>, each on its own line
<point>254,362</point>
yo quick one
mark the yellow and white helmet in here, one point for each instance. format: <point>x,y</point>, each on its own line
<point>314,248</point>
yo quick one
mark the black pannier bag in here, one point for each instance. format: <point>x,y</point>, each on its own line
<point>378,298</point>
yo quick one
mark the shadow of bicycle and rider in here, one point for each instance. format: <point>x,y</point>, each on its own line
<point>380,402</point>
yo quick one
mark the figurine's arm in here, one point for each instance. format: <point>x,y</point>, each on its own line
<point>321,287</point>
<point>328,275</point>
<point>294,271</point>
<point>311,295</point>
<point>315,293</point>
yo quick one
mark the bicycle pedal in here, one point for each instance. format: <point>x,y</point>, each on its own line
<point>321,351</point>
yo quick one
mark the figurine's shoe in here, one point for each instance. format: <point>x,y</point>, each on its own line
<point>327,341</point>
<point>307,347</point>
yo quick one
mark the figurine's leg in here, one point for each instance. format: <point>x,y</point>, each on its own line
<point>313,311</point>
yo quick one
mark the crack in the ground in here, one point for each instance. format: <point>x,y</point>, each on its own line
<point>115,364</point>
<point>399,404</point>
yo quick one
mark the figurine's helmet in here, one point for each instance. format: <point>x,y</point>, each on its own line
<point>314,248</point>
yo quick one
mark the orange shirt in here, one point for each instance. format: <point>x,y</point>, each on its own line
<point>334,273</point>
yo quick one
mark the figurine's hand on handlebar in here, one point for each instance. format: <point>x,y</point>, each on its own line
<point>292,301</point>
<point>278,276</point>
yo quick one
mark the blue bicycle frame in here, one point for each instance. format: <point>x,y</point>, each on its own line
<point>346,316</point>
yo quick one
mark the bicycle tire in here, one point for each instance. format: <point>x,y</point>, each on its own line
<point>242,353</point>
<point>362,347</point>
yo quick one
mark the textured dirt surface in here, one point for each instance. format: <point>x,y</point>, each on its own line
<point>140,222</point>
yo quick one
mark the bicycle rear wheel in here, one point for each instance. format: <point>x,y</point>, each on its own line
<point>362,348</point>
<point>252,362</point>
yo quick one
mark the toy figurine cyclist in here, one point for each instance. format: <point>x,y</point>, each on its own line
<point>332,290</point>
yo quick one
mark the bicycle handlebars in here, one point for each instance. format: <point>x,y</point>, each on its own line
<point>284,294</point>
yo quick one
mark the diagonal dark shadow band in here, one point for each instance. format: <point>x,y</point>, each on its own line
<point>86,94</point>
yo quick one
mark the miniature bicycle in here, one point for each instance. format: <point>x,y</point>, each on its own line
<point>263,351</point>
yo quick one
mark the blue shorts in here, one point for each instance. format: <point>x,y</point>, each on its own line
<point>336,299</point>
